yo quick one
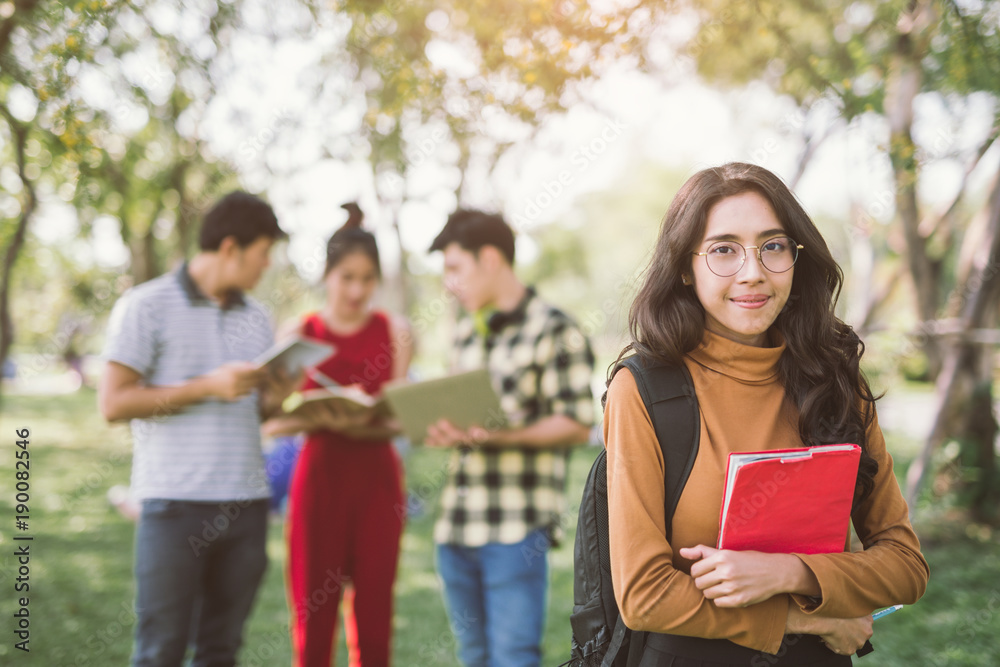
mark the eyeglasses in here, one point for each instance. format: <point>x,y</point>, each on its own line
<point>726,258</point>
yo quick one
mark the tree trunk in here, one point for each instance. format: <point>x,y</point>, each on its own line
<point>902,86</point>
<point>145,263</point>
<point>22,12</point>
<point>185,242</point>
<point>29,201</point>
<point>981,432</point>
<point>403,288</point>
<point>143,252</point>
<point>965,373</point>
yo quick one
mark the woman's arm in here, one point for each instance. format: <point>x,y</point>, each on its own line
<point>403,344</point>
<point>841,635</point>
<point>379,428</point>
<point>651,593</point>
<point>741,578</point>
<point>890,569</point>
<point>286,425</point>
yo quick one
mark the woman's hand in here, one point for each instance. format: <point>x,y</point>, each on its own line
<point>284,425</point>
<point>847,635</point>
<point>276,386</point>
<point>843,636</point>
<point>330,416</point>
<point>742,578</point>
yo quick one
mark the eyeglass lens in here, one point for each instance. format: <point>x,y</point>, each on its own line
<point>726,258</point>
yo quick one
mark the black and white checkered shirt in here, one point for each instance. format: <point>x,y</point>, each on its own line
<point>541,364</point>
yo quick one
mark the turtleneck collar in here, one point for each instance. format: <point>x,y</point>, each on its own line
<point>740,362</point>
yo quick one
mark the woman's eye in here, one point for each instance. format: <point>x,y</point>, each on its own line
<point>777,245</point>
<point>722,250</point>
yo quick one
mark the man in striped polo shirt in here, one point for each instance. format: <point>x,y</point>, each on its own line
<point>178,365</point>
<point>504,500</point>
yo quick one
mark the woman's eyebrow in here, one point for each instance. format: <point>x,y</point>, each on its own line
<point>771,233</point>
<point>766,234</point>
<point>722,237</point>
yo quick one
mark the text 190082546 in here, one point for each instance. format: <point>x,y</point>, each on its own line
<point>22,550</point>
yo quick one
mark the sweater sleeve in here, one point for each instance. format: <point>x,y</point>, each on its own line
<point>890,570</point>
<point>652,594</point>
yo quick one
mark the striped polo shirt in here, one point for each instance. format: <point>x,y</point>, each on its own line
<point>169,332</point>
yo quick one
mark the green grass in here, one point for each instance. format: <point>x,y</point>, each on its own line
<point>81,559</point>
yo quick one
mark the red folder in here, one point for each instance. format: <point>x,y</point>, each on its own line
<point>789,500</point>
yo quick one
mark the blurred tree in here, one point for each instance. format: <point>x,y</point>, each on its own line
<point>458,82</point>
<point>121,89</point>
<point>479,69</point>
<point>101,104</point>
<point>965,386</point>
<point>143,162</point>
<point>42,45</point>
<point>585,267</point>
<point>879,57</point>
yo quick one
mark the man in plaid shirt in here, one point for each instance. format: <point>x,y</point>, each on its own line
<point>505,492</point>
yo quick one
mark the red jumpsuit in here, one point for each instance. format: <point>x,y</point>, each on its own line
<point>345,516</point>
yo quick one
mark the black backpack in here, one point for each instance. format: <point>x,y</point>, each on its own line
<point>600,638</point>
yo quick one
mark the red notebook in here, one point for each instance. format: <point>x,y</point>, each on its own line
<point>789,500</point>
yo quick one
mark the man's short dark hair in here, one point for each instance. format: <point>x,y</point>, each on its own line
<point>242,216</point>
<point>472,230</point>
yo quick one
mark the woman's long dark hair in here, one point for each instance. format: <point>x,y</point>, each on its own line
<point>820,369</point>
<point>351,238</point>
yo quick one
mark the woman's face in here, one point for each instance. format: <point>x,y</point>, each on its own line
<point>743,306</point>
<point>350,285</point>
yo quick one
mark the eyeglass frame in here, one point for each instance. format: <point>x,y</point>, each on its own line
<point>760,259</point>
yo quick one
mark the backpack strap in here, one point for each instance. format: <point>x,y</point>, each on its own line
<point>617,637</point>
<point>667,391</point>
<point>668,394</point>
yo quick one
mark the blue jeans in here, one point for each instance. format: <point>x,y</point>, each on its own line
<point>197,569</point>
<point>496,598</point>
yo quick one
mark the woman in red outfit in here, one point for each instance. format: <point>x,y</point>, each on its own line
<point>346,505</point>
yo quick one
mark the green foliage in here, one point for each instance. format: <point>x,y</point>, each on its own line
<point>120,94</point>
<point>473,67</point>
<point>967,49</point>
<point>804,49</point>
<point>102,131</point>
<point>60,302</point>
<point>136,163</point>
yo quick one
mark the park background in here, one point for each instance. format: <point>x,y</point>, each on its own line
<point>121,122</point>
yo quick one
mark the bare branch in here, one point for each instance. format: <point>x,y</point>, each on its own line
<point>933,221</point>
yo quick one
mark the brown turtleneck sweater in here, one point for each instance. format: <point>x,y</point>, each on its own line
<point>743,408</point>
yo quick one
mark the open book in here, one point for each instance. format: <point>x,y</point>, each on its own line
<point>465,399</point>
<point>789,500</point>
<point>350,399</point>
<point>346,398</point>
<point>295,353</point>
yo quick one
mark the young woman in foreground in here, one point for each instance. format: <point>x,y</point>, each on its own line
<point>741,290</point>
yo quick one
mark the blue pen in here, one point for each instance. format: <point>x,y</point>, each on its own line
<point>885,612</point>
<point>868,648</point>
